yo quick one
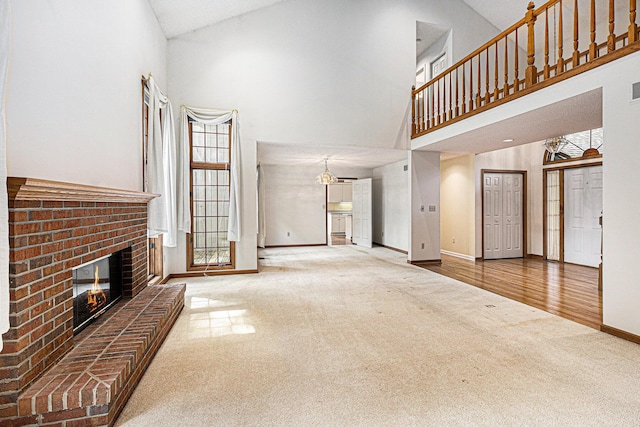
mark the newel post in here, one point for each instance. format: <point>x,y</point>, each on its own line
<point>531,74</point>
<point>414,129</point>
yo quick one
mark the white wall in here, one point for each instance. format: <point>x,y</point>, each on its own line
<point>303,71</point>
<point>527,158</point>
<point>296,205</point>
<point>74,93</point>
<point>458,200</point>
<point>391,205</point>
<point>621,197</point>
<point>424,190</point>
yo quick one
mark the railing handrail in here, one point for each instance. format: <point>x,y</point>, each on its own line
<point>490,76</point>
<point>476,52</point>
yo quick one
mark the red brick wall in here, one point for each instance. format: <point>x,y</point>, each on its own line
<point>47,239</point>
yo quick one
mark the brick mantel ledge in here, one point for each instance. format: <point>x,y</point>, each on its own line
<point>41,189</point>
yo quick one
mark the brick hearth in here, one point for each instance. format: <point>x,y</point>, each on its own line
<point>54,227</point>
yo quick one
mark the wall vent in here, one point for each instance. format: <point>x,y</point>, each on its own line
<point>635,90</point>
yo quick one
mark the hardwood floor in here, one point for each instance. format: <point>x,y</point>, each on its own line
<point>339,240</point>
<point>567,290</point>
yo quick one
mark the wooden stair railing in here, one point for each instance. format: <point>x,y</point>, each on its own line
<point>493,74</point>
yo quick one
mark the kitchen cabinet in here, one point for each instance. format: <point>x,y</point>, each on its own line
<point>338,224</point>
<point>340,192</point>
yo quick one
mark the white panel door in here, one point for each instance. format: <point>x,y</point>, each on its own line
<point>512,215</point>
<point>362,210</point>
<point>502,222</point>
<point>492,216</point>
<point>582,209</point>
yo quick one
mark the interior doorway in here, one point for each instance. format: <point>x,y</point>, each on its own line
<point>503,213</point>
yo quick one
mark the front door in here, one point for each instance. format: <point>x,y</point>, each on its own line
<point>503,215</point>
<point>583,207</point>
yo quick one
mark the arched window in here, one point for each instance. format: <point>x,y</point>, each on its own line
<point>586,144</point>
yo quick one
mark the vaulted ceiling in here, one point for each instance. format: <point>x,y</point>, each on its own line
<point>179,17</point>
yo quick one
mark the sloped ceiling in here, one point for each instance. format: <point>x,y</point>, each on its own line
<point>179,17</point>
<point>501,13</point>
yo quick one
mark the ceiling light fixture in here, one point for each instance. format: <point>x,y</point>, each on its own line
<point>326,177</point>
<point>555,144</point>
<point>507,140</point>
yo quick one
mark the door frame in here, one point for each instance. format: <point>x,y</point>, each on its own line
<point>525,211</point>
<point>561,170</point>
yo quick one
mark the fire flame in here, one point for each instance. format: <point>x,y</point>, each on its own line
<point>96,295</point>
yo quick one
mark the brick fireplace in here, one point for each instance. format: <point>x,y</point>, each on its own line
<point>54,227</point>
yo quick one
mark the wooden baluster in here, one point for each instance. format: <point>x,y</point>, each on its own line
<point>611,40</point>
<point>414,129</point>
<point>437,110</point>
<point>487,95</point>
<point>560,63</point>
<point>471,84</point>
<point>425,110</point>
<point>516,81</point>
<point>495,89</point>
<point>505,89</point>
<point>531,74</point>
<point>421,109</point>
<point>464,92</point>
<point>457,110</point>
<point>443,105</point>
<point>450,95</point>
<point>576,53</point>
<point>593,48</point>
<point>425,106</point>
<point>633,27</point>
<point>433,105</point>
<point>546,44</point>
<point>478,99</point>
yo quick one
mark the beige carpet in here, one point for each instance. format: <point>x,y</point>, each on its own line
<point>354,337</point>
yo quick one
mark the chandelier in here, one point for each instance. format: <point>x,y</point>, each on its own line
<point>326,177</point>
<point>555,144</point>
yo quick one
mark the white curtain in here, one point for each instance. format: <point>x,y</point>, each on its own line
<point>5,52</point>
<point>208,117</point>
<point>161,166</point>
<point>262,224</point>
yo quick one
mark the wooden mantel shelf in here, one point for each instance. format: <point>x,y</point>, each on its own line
<point>41,189</point>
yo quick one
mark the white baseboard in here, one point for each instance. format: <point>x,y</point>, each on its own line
<point>457,255</point>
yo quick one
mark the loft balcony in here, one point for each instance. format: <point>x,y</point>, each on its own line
<point>550,44</point>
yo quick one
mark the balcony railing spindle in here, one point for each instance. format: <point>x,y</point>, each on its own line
<point>559,38</point>
<point>633,27</point>
<point>593,47</point>
<point>576,52</point>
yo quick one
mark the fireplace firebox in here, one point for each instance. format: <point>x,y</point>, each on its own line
<point>97,286</point>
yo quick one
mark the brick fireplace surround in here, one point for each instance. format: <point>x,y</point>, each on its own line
<point>48,376</point>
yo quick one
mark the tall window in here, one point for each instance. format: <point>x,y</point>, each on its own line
<point>154,244</point>
<point>209,247</point>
